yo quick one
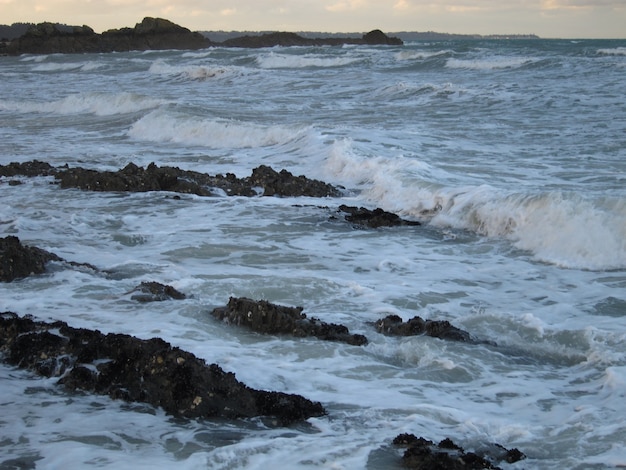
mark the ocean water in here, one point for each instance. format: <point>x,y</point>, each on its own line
<point>512,154</point>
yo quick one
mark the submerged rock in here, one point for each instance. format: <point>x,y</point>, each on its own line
<point>392,325</point>
<point>137,370</point>
<point>373,218</point>
<point>264,317</point>
<point>155,292</point>
<point>424,454</point>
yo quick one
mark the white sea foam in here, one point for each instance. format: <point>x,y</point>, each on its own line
<point>490,63</point>
<point>273,60</point>
<point>164,126</point>
<point>419,55</point>
<point>612,51</point>
<point>564,229</point>
<point>100,104</point>
<point>193,72</point>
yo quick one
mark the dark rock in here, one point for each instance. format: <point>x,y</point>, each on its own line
<point>267,318</point>
<point>155,292</point>
<point>136,179</point>
<point>150,34</point>
<point>424,454</point>
<point>392,325</point>
<point>377,37</point>
<point>373,218</point>
<point>133,178</point>
<point>283,183</point>
<point>159,34</point>
<point>30,169</point>
<point>136,370</point>
<point>19,261</point>
<point>285,39</point>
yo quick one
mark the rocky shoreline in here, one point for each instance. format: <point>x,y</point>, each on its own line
<point>153,371</point>
<point>159,34</point>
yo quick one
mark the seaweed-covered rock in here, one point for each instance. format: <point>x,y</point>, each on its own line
<point>155,292</point>
<point>283,183</point>
<point>149,371</point>
<point>373,218</point>
<point>265,317</point>
<point>424,454</point>
<point>133,178</point>
<point>32,168</point>
<point>392,325</point>
<point>19,261</point>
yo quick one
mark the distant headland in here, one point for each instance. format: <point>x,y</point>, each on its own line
<point>153,34</point>
<point>159,34</point>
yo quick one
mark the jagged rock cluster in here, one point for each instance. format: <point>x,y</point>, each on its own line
<point>158,34</point>
<point>265,317</point>
<point>147,371</point>
<point>423,454</point>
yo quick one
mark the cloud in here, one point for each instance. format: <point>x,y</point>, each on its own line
<point>346,5</point>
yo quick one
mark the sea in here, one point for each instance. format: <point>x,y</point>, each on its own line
<point>512,154</point>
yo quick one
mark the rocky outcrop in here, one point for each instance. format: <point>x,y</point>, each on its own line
<point>285,39</point>
<point>150,34</point>
<point>153,178</point>
<point>264,180</point>
<point>265,317</point>
<point>159,34</point>
<point>392,325</point>
<point>424,454</point>
<point>136,370</point>
<point>19,261</point>
<point>373,218</point>
<point>155,292</point>
<point>285,184</point>
<point>31,169</point>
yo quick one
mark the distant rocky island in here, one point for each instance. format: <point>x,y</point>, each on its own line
<point>160,34</point>
<point>156,34</point>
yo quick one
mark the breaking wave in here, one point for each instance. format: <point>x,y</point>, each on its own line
<point>101,104</point>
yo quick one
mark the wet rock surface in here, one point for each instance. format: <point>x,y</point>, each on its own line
<point>155,292</point>
<point>392,325</point>
<point>264,180</point>
<point>32,168</point>
<point>373,218</point>
<point>136,370</point>
<point>424,454</point>
<point>265,317</point>
<point>18,261</point>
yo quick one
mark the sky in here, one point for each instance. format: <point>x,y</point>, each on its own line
<point>546,18</point>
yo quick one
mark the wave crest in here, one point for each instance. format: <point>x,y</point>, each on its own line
<point>163,126</point>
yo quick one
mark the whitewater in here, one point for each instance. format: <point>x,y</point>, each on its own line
<point>512,154</point>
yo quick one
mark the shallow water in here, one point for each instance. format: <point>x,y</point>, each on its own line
<point>512,154</point>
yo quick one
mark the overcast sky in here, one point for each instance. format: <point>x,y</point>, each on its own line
<point>547,18</point>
